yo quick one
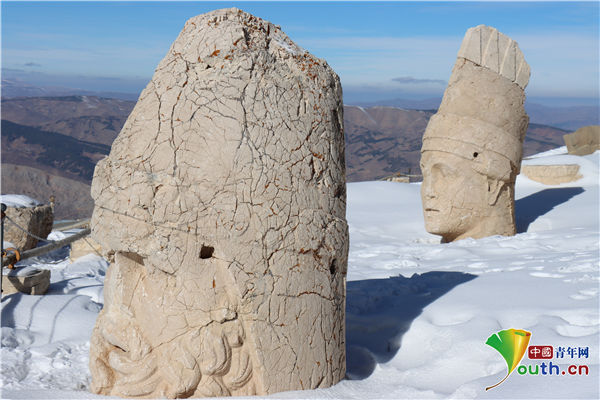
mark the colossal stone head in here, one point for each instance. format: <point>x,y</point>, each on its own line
<point>222,204</point>
<point>472,147</point>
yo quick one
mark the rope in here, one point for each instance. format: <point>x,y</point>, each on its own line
<point>27,232</point>
<point>93,248</point>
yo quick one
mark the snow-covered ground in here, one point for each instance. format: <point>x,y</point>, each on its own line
<point>418,312</point>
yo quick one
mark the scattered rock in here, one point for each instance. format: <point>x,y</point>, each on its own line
<point>472,147</point>
<point>222,208</point>
<point>397,178</point>
<point>584,140</point>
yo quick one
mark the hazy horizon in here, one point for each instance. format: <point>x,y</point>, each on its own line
<point>381,51</point>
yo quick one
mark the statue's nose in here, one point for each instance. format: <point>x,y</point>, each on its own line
<point>427,188</point>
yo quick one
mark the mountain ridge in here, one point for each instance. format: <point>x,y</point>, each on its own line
<point>64,136</point>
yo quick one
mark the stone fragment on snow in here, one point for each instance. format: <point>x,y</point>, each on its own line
<point>552,174</point>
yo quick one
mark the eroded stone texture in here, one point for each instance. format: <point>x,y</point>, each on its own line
<point>552,174</point>
<point>37,220</point>
<point>472,147</point>
<point>222,205</point>
<point>583,141</point>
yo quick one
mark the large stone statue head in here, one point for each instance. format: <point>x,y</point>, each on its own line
<point>472,147</point>
<point>222,204</point>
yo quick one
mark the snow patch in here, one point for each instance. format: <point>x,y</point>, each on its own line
<point>18,200</point>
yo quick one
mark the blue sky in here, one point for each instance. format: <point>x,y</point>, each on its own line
<point>380,50</point>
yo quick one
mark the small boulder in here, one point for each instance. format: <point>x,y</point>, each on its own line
<point>583,141</point>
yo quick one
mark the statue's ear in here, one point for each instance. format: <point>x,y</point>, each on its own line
<point>494,187</point>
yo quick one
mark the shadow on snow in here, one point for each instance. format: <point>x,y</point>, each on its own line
<point>529,208</point>
<point>380,311</point>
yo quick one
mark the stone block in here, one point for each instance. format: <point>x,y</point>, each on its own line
<point>583,141</point>
<point>29,281</point>
<point>36,219</point>
<point>552,174</point>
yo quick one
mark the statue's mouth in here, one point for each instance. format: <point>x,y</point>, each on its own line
<point>432,209</point>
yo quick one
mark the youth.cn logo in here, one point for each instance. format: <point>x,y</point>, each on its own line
<point>512,345</point>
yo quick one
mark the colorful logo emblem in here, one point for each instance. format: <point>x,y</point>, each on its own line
<point>512,345</point>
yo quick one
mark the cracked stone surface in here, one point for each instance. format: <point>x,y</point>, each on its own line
<point>472,147</point>
<point>222,209</point>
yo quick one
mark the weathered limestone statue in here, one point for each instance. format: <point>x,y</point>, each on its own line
<point>222,207</point>
<point>472,147</point>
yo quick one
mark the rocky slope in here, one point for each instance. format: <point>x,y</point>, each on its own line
<point>89,118</point>
<point>381,141</point>
<point>72,198</point>
<point>52,152</point>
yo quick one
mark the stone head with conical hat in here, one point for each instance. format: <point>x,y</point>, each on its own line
<point>472,147</point>
<point>222,207</point>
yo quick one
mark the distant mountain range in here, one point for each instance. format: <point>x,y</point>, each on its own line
<point>571,117</point>
<point>62,137</point>
<point>17,88</point>
<point>382,141</point>
<point>89,118</point>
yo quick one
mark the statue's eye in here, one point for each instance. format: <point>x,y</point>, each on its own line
<point>475,154</point>
<point>444,170</point>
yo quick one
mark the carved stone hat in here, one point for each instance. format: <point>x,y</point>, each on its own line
<point>490,65</point>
